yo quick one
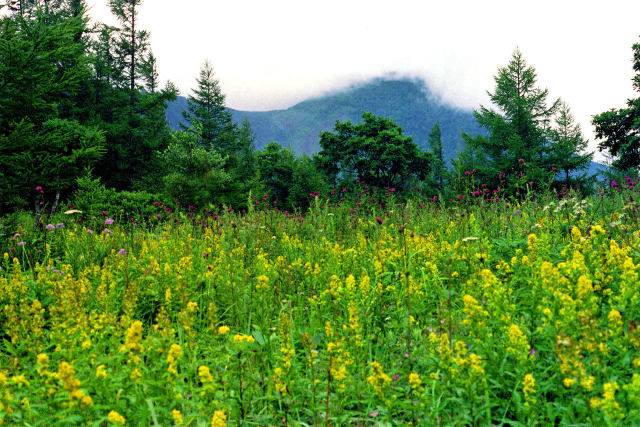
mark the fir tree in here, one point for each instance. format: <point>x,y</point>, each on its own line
<point>206,106</point>
<point>567,146</point>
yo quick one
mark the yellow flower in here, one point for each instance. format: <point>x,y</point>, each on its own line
<point>263,282</point>
<point>568,382</point>
<point>101,371</point>
<point>174,354</point>
<point>243,338</point>
<point>43,360</point>
<point>378,379</point>
<point>177,417</point>
<point>115,417</point>
<point>133,337</point>
<point>219,419</point>
<point>414,380</point>
<point>205,374</point>
<point>528,385</point>
<point>223,330</point>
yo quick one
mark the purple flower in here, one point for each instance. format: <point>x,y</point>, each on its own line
<point>614,183</point>
<point>90,231</point>
<point>15,236</point>
<point>374,413</point>
<point>533,351</point>
<point>60,225</point>
<point>108,221</point>
<point>406,355</point>
<point>396,376</point>
<point>122,251</point>
<point>21,243</point>
<point>50,227</point>
<point>106,230</point>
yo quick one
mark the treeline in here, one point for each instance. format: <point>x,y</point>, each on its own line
<point>82,116</point>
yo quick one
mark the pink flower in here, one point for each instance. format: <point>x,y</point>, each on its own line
<point>122,251</point>
<point>108,221</point>
<point>521,160</point>
<point>379,220</point>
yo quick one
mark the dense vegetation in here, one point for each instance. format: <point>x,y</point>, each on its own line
<point>482,314</point>
<point>158,276</point>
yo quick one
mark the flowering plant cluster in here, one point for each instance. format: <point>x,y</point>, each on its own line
<point>486,313</point>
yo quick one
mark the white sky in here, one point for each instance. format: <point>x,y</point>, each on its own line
<point>272,54</point>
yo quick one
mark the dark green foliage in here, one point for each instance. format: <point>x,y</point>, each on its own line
<point>242,167</point>
<point>619,129</point>
<point>517,144</point>
<point>567,144</point>
<point>194,175</point>
<point>127,104</point>
<point>288,180</point>
<point>93,198</point>
<point>375,151</point>
<point>206,107</point>
<point>435,143</point>
<point>42,142</point>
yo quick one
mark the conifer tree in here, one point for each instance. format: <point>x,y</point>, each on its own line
<point>619,129</point>
<point>518,127</point>
<point>43,140</point>
<point>206,106</point>
<point>435,143</point>
<point>568,145</point>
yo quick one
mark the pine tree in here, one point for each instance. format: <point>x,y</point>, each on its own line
<point>206,106</point>
<point>518,129</point>
<point>619,130</point>
<point>567,146</point>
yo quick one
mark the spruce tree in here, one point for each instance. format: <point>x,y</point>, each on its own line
<point>206,106</point>
<point>43,140</point>
<point>567,147</point>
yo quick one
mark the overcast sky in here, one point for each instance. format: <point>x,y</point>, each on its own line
<point>272,54</point>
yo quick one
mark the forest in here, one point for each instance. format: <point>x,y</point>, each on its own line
<point>160,276</point>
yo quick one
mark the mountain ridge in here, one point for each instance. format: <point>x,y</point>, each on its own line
<point>409,102</point>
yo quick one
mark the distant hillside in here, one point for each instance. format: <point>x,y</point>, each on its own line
<point>408,102</point>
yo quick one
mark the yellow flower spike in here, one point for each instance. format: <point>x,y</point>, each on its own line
<point>101,371</point>
<point>414,380</point>
<point>263,282</point>
<point>219,419</point>
<point>177,417</point>
<point>528,384</point>
<point>116,418</point>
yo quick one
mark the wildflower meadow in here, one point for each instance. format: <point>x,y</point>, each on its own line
<point>411,313</point>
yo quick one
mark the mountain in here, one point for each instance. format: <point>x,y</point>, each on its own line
<point>409,102</point>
